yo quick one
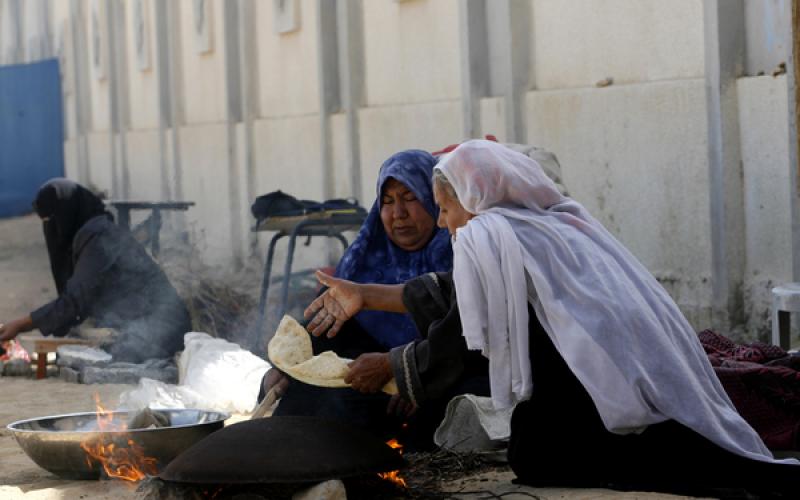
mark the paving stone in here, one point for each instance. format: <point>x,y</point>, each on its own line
<point>168,375</point>
<point>163,370</point>
<point>111,374</point>
<point>79,356</point>
<point>17,368</point>
<point>129,373</point>
<point>68,374</point>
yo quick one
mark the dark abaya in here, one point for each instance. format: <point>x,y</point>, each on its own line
<point>558,440</point>
<point>102,272</point>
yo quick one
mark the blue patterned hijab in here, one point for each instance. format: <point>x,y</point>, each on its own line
<point>374,258</point>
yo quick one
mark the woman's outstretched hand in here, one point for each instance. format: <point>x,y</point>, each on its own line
<point>340,302</point>
<point>13,328</point>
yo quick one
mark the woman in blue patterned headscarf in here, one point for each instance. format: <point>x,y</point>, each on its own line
<point>398,241</point>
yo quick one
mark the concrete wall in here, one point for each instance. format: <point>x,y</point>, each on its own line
<point>767,190</point>
<point>99,172</point>
<point>634,155</point>
<point>205,180</point>
<point>98,34</point>
<point>388,129</point>
<point>143,161</point>
<point>287,65</point>
<point>766,35</point>
<point>411,52</point>
<point>578,43</point>
<point>257,110</point>
<point>203,73</point>
<point>142,81</point>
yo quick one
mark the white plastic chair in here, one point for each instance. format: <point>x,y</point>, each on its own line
<point>785,300</point>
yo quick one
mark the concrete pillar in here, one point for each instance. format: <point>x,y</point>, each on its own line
<point>495,39</point>
<point>724,62</point>
<point>48,40</point>
<point>234,112</point>
<point>36,30</point>
<point>509,25</point>
<point>474,63</point>
<point>120,31</point>
<point>164,96</point>
<point>81,83</point>
<point>17,53</point>
<point>329,95</point>
<point>248,42</point>
<point>176,103</point>
<point>792,76</point>
<point>117,79</point>
<point>169,102</point>
<point>351,62</point>
<point>111,62</point>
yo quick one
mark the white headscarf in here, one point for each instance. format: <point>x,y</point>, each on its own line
<point>620,333</point>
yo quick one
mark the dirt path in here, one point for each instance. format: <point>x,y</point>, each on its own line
<point>25,279</point>
<point>25,398</point>
<point>25,284</point>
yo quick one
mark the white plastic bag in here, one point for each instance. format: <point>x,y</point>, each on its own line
<point>156,394</point>
<point>472,424</point>
<point>213,374</point>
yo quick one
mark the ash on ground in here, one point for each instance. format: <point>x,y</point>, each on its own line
<point>425,477</point>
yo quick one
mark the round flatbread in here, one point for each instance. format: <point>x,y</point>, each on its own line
<point>291,352</point>
<point>324,370</point>
<point>290,345</point>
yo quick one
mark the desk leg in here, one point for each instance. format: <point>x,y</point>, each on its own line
<point>287,271</point>
<point>124,217</point>
<point>41,365</point>
<point>155,228</point>
<point>784,329</point>
<point>262,300</point>
<point>342,239</point>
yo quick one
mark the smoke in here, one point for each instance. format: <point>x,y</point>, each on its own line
<point>133,296</point>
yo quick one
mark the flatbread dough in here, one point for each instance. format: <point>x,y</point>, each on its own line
<point>325,366</point>
<point>291,352</point>
<point>290,345</point>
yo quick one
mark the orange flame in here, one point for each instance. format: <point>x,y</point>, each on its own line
<point>119,461</point>
<point>394,476</point>
<point>395,445</point>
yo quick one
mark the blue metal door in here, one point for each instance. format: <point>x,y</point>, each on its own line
<point>31,132</point>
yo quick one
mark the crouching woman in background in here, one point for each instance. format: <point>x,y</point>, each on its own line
<point>102,272</point>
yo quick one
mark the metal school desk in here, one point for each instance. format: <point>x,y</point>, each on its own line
<point>330,223</point>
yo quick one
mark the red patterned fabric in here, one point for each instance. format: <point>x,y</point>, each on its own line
<point>763,381</point>
<point>450,148</point>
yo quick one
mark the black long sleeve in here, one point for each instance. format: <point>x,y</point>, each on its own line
<point>425,369</point>
<point>117,284</point>
<point>92,261</point>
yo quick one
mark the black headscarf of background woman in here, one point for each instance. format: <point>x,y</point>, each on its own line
<point>64,207</point>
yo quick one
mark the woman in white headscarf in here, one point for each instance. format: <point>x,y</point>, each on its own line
<point>610,383</point>
<point>627,370</point>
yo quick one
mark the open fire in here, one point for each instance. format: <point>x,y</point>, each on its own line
<point>120,456</point>
<point>394,476</point>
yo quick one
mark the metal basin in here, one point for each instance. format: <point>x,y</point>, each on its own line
<point>54,443</point>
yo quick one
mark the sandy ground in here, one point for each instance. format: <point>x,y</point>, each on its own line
<point>25,283</point>
<point>24,398</point>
